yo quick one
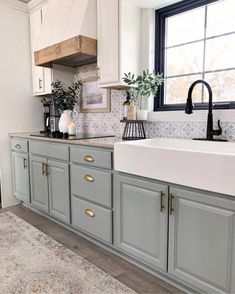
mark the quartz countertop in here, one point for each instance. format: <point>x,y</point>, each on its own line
<point>107,142</point>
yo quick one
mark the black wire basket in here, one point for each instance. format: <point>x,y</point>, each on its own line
<point>134,130</point>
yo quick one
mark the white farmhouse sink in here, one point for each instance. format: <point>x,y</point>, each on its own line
<point>200,164</point>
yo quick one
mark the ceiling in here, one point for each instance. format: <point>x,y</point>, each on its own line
<point>144,3</point>
<point>154,3</point>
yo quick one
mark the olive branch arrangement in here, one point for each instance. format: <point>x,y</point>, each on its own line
<point>143,85</point>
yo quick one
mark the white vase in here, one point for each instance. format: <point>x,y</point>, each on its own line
<point>65,119</point>
<point>142,114</point>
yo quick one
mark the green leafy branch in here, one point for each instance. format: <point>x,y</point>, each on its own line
<point>145,84</point>
<point>65,99</point>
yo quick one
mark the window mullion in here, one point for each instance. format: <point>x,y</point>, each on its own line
<point>204,53</point>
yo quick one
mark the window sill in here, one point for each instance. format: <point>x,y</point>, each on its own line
<point>227,115</point>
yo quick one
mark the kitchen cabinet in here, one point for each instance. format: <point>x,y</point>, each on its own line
<point>50,187</point>
<point>42,20</point>
<point>92,219</point>
<point>59,190</point>
<point>20,174</point>
<point>202,240</point>
<point>186,234</point>
<point>91,191</point>
<point>140,219</point>
<point>39,183</point>
<point>119,41</point>
<point>41,77</point>
<point>91,184</point>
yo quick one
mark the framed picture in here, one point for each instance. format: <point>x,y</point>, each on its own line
<point>93,98</point>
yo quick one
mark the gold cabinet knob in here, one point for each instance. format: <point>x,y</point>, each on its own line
<point>89,158</point>
<point>89,212</point>
<point>18,146</point>
<point>89,178</point>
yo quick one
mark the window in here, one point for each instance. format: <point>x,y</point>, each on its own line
<point>195,39</point>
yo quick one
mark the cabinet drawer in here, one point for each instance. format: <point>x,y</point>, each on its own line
<point>92,184</point>
<point>92,157</point>
<point>92,219</point>
<point>19,145</point>
<point>51,150</point>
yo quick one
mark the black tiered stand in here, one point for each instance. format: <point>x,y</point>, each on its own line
<point>134,130</point>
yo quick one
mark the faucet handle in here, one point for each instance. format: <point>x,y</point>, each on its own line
<point>219,131</point>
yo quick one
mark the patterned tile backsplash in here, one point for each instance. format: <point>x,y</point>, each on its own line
<point>109,123</point>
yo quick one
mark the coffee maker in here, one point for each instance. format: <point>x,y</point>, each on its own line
<point>51,118</point>
<point>54,118</point>
<point>46,118</point>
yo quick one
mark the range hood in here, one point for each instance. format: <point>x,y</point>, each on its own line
<point>73,52</point>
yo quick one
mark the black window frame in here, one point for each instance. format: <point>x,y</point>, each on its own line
<point>160,17</point>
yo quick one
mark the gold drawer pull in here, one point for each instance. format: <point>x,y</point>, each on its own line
<point>89,158</point>
<point>17,146</point>
<point>89,178</point>
<point>89,213</point>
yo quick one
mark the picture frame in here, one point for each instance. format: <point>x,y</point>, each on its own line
<point>94,99</point>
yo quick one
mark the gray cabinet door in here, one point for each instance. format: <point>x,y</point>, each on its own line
<point>20,170</point>
<point>59,190</point>
<point>140,220</point>
<point>39,183</point>
<point>202,240</point>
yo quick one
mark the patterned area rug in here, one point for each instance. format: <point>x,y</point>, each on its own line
<point>32,262</point>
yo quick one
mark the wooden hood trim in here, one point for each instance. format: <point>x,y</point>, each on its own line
<point>72,52</point>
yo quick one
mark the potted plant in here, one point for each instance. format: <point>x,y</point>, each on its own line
<point>65,101</point>
<point>143,86</point>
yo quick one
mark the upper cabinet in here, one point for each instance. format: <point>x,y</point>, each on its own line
<point>119,30</point>
<point>42,77</point>
<point>117,25</point>
<point>52,22</point>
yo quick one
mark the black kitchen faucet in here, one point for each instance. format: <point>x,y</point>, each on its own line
<point>189,110</point>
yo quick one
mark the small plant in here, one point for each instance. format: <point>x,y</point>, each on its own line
<point>143,85</point>
<point>65,99</point>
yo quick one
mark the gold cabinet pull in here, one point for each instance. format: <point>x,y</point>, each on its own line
<point>40,83</point>
<point>89,178</point>
<point>171,208</point>
<point>47,171</point>
<point>89,212</point>
<point>25,163</point>
<point>98,73</point>
<point>89,158</point>
<point>161,202</point>
<point>18,146</point>
<point>44,169</point>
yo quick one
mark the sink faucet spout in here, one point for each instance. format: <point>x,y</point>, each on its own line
<point>189,110</point>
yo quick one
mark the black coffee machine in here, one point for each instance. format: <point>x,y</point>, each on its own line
<point>51,118</point>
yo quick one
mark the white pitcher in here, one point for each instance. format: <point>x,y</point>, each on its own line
<point>65,119</point>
